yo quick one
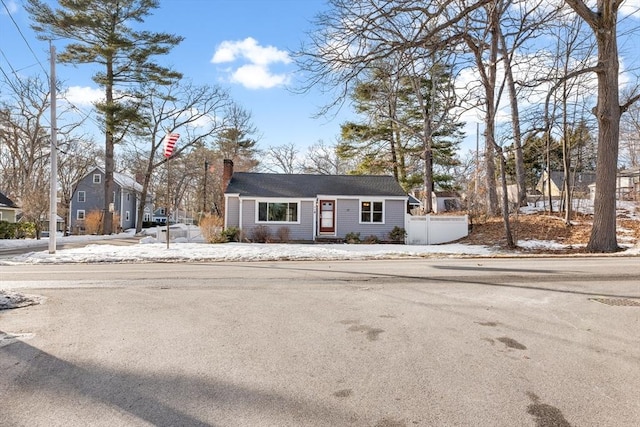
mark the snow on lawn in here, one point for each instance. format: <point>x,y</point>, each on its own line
<point>196,252</point>
<point>30,243</point>
<point>177,252</point>
<point>194,249</point>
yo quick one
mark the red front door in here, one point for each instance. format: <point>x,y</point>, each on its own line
<point>327,216</point>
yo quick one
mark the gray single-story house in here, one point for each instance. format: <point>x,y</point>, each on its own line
<point>314,207</point>
<point>88,196</point>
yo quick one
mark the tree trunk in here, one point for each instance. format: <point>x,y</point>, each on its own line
<point>603,24</point>
<point>505,202</point>
<point>515,123</point>
<point>603,233</point>
<point>490,118</point>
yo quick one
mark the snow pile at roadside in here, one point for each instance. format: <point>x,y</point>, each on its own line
<point>10,299</point>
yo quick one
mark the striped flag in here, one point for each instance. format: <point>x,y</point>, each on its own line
<point>169,143</point>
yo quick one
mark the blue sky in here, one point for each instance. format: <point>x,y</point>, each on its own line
<point>241,45</point>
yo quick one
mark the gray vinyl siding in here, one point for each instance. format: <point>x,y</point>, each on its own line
<point>127,205</point>
<point>348,218</point>
<point>297,232</point>
<point>94,201</point>
<point>233,212</point>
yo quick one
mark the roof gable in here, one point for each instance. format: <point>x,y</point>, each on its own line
<point>249,184</point>
<point>6,202</point>
<point>124,181</point>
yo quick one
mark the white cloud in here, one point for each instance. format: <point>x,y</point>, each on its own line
<point>254,76</point>
<point>82,96</point>
<point>631,8</point>
<point>255,72</point>
<point>11,7</point>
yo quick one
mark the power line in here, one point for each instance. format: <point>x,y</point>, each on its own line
<point>22,35</point>
<point>85,116</point>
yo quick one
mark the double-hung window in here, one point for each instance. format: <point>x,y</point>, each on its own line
<point>371,212</point>
<point>82,196</point>
<point>277,212</point>
<point>97,178</point>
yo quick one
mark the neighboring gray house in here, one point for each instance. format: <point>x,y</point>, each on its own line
<point>314,207</point>
<point>88,196</point>
<point>578,182</point>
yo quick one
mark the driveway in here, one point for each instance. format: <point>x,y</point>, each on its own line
<point>434,342</point>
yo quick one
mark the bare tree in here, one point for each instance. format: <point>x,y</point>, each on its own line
<point>105,32</point>
<point>323,159</point>
<point>25,151</point>
<point>630,137</point>
<point>281,159</point>
<point>76,156</point>
<point>521,22</point>
<point>191,110</point>
<point>603,22</point>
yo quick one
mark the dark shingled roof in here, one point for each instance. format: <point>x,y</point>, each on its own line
<point>6,202</point>
<point>304,185</point>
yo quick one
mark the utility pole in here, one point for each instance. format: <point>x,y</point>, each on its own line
<point>53,200</point>
<point>477,184</point>
<point>206,169</point>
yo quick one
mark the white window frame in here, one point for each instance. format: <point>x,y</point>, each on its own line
<point>80,215</point>
<point>84,196</point>
<point>371,201</point>
<point>0,216</point>
<point>97,178</point>
<point>277,201</point>
<point>126,215</point>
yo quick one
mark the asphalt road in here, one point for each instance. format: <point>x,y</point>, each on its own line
<point>430,342</point>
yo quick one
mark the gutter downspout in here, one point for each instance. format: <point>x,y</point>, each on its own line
<point>315,219</point>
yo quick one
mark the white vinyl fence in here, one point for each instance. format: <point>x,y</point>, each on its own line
<point>432,230</point>
<point>178,231</point>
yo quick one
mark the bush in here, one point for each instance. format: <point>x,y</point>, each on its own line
<point>25,229</point>
<point>352,238</point>
<point>8,230</point>
<point>397,234</point>
<point>283,234</point>
<point>21,230</point>
<point>211,228</point>
<point>261,234</point>
<point>232,234</point>
<point>93,222</point>
<point>371,239</point>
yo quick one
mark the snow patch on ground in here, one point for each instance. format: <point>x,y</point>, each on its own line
<point>10,299</point>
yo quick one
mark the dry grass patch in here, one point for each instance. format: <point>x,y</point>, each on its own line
<point>547,227</point>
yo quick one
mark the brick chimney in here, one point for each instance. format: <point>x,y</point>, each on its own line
<point>227,173</point>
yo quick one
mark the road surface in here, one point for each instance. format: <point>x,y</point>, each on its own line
<point>429,342</point>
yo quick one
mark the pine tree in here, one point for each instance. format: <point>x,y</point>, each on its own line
<point>101,32</point>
